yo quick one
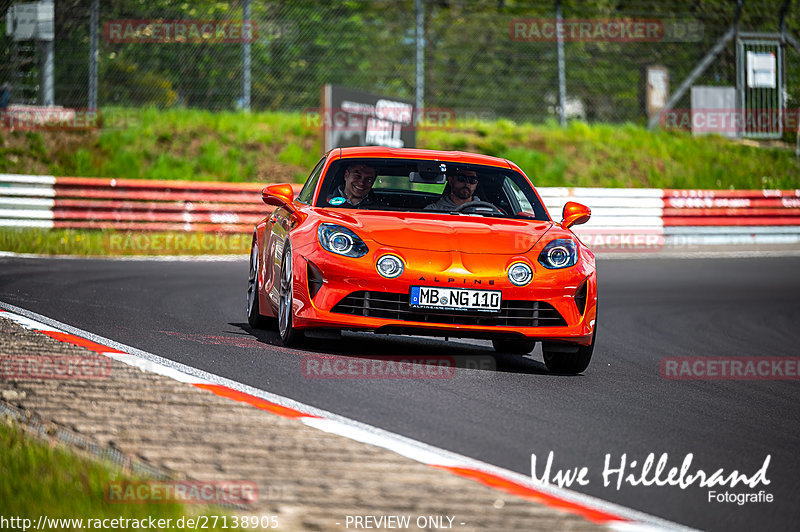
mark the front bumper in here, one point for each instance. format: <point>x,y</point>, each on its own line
<point>550,293</point>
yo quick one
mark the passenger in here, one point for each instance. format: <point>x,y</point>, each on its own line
<point>357,191</point>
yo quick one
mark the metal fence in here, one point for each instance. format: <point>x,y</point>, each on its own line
<point>483,58</point>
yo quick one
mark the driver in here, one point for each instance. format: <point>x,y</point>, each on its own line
<point>460,189</point>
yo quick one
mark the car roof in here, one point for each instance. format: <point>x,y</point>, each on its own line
<point>416,153</point>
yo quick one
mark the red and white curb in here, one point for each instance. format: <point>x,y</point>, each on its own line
<point>595,510</point>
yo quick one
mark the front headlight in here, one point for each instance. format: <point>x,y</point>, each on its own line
<point>560,253</point>
<point>341,240</point>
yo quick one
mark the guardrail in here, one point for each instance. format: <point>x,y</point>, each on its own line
<point>672,217</point>
<point>620,217</point>
<point>710,217</point>
<point>623,219</point>
<point>129,204</point>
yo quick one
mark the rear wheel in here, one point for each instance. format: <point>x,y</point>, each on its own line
<point>254,318</point>
<point>568,358</point>
<point>516,347</point>
<point>289,335</point>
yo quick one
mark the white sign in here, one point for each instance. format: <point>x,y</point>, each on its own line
<point>761,68</point>
<point>25,22</point>
<point>21,21</point>
<point>657,89</point>
<point>45,21</point>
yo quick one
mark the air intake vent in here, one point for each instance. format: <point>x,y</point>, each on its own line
<point>395,307</point>
<point>315,279</point>
<point>580,297</point>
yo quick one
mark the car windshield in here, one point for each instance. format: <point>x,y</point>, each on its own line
<point>412,185</point>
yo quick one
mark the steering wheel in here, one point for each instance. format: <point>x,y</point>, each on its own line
<point>479,206</point>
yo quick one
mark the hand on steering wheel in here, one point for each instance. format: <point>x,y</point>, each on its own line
<point>478,206</point>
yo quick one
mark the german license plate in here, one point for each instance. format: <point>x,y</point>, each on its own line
<point>431,297</point>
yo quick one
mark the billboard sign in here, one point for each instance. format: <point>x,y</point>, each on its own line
<point>355,118</point>
<point>25,22</point>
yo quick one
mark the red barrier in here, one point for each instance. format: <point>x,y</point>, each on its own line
<point>157,184</point>
<point>154,226</point>
<point>696,212</point>
<point>728,220</point>
<point>150,205</point>
<point>731,207</point>
<point>154,195</point>
<point>157,216</point>
<point>175,206</point>
<point>691,193</point>
<point>158,205</point>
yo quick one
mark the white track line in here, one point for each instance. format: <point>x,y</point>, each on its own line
<point>706,254</point>
<point>626,518</point>
<point>161,258</point>
<point>751,254</point>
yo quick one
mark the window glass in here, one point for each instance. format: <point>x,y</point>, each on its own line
<point>307,193</point>
<point>396,187</point>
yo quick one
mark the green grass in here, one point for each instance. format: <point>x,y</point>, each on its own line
<point>44,480</point>
<point>120,243</point>
<point>170,144</point>
<point>626,155</point>
<point>279,147</point>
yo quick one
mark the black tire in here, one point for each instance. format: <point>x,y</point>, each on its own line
<point>289,335</point>
<point>560,358</point>
<point>254,317</point>
<point>516,347</point>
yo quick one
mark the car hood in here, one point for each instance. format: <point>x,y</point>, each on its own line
<point>442,232</point>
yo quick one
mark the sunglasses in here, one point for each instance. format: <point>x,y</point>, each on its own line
<point>472,180</point>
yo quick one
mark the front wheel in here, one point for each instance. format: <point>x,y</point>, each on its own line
<point>254,317</point>
<point>289,335</point>
<point>566,358</point>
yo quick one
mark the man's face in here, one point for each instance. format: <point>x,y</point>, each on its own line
<point>358,180</point>
<point>463,184</point>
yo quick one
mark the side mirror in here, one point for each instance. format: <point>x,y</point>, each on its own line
<point>278,195</point>
<point>574,214</point>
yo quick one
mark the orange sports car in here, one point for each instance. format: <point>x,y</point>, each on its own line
<point>420,242</point>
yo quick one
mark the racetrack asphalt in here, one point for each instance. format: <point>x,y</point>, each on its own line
<point>193,313</point>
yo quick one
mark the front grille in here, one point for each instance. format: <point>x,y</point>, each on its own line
<point>395,307</point>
